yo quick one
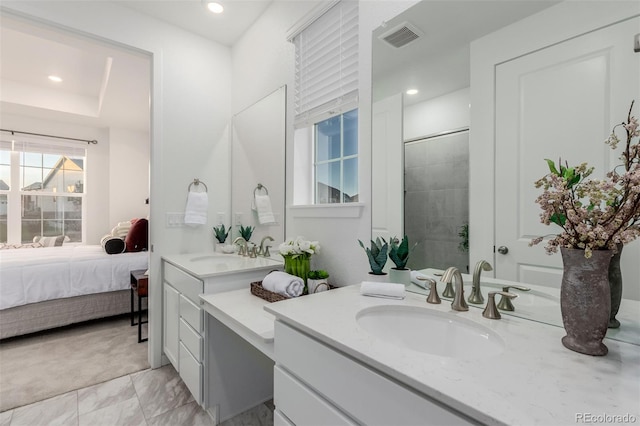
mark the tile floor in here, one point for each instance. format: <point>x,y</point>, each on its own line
<point>149,397</point>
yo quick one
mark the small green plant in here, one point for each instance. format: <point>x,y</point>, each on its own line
<point>246,232</point>
<point>464,234</point>
<point>318,275</point>
<point>399,252</point>
<point>221,233</point>
<point>377,255</point>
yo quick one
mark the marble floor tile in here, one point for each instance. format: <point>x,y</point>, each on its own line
<point>60,410</point>
<point>260,415</point>
<point>160,390</point>
<point>105,394</point>
<point>5,418</point>
<point>123,413</point>
<point>189,414</point>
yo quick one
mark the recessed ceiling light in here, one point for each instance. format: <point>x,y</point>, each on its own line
<point>215,7</point>
<point>412,91</point>
<point>55,78</point>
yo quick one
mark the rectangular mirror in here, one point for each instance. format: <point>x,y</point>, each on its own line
<point>258,167</point>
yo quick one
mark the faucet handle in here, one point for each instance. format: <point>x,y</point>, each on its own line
<point>490,311</point>
<point>505,302</point>
<point>433,292</point>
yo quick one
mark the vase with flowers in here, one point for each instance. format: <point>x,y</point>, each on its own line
<point>297,257</point>
<point>596,217</point>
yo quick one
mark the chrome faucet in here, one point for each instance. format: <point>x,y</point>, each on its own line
<point>264,250</point>
<point>458,303</point>
<point>476,295</point>
<point>243,246</point>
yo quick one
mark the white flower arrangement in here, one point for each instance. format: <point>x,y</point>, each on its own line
<point>299,246</point>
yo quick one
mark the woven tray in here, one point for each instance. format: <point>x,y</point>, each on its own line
<point>269,296</point>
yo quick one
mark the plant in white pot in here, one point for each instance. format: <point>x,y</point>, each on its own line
<point>377,255</point>
<point>317,281</point>
<point>399,254</point>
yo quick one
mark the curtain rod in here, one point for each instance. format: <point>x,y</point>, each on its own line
<point>88,141</point>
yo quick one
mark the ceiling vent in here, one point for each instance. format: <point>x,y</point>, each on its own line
<point>401,35</point>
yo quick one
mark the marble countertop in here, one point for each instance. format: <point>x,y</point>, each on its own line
<point>535,380</point>
<point>205,265</point>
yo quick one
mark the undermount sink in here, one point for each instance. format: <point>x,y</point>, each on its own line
<point>429,331</point>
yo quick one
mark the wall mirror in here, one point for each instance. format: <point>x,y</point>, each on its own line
<point>420,141</point>
<point>258,166</point>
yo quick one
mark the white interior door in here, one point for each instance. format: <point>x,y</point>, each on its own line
<point>387,185</point>
<point>558,102</point>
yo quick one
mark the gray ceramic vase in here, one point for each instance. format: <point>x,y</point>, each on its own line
<point>615,286</point>
<point>585,300</point>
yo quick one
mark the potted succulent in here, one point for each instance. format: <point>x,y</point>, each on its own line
<point>221,233</point>
<point>377,255</point>
<point>399,255</point>
<point>246,232</point>
<point>317,281</point>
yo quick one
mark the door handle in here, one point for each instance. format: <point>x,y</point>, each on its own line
<point>503,250</point>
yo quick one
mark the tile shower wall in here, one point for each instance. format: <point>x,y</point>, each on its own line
<point>437,200</point>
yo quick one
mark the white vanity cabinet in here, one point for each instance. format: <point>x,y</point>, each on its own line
<point>317,385</point>
<point>183,326</point>
<point>186,341</point>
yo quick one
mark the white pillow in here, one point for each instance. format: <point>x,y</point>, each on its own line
<point>121,229</point>
<point>49,241</point>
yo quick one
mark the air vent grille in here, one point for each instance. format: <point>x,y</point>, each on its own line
<point>401,35</point>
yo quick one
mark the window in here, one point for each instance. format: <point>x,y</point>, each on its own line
<point>326,100</point>
<point>48,197</point>
<point>336,159</point>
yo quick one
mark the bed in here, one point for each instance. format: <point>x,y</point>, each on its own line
<point>48,287</point>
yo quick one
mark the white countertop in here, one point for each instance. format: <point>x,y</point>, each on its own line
<point>204,265</point>
<point>535,380</point>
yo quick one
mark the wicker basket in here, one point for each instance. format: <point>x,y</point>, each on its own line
<point>269,296</point>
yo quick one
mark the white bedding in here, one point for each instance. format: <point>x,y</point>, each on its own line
<point>33,275</point>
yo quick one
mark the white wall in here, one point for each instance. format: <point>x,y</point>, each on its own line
<point>441,114</point>
<point>128,177</point>
<point>191,95</point>
<point>264,48</point>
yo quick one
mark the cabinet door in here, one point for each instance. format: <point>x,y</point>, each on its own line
<point>171,324</point>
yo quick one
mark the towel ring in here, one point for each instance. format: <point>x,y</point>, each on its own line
<point>259,188</point>
<point>197,182</point>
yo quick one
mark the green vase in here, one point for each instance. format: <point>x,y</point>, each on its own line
<point>298,265</point>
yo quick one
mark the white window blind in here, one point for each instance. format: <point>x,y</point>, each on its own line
<point>327,65</point>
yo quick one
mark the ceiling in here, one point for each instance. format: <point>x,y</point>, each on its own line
<point>438,61</point>
<point>103,85</point>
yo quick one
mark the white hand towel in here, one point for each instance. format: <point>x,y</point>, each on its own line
<point>387,290</point>
<point>282,283</point>
<point>422,280</point>
<point>264,210</point>
<point>195,212</point>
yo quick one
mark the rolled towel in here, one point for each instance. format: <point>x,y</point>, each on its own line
<point>264,210</point>
<point>422,280</point>
<point>195,212</point>
<point>386,290</point>
<point>282,283</point>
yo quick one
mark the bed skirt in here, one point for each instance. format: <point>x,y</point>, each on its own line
<point>39,316</point>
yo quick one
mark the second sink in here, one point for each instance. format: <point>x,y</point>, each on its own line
<point>429,331</point>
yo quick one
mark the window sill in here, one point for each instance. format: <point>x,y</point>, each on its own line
<point>350,210</point>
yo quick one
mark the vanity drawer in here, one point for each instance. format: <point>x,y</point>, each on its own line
<point>192,314</point>
<point>191,373</point>
<point>186,284</point>
<point>356,389</point>
<point>191,340</point>
<point>301,405</point>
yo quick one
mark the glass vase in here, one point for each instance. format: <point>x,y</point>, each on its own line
<point>298,265</point>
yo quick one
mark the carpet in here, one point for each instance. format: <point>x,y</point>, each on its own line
<point>53,362</point>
